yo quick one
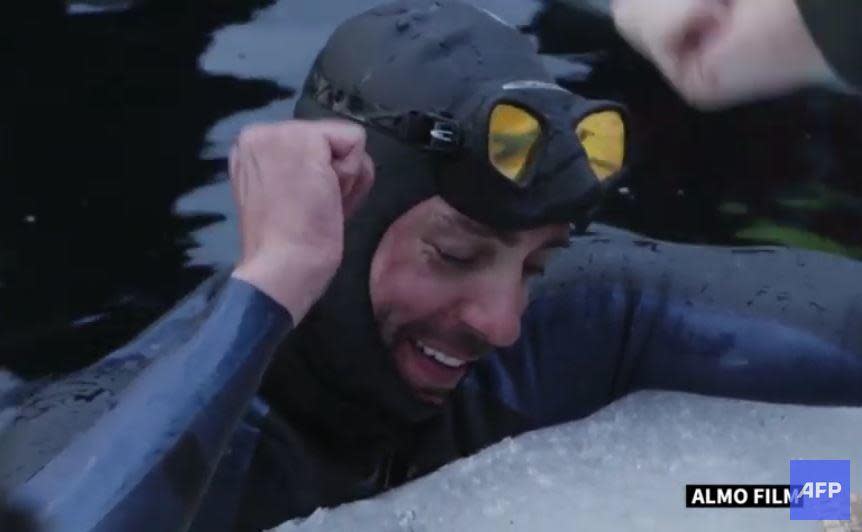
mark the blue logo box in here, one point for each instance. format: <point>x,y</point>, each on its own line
<point>823,489</point>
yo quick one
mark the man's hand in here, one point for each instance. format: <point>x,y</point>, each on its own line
<point>719,52</point>
<point>294,184</point>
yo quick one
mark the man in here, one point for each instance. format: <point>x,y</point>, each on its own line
<point>716,53</point>
<point>417,353</point>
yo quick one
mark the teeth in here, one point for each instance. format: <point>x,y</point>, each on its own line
<point>439,356</point>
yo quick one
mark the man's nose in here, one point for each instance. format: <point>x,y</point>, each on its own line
<point>494,309</point>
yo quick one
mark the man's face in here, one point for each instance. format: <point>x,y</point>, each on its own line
<point>446,290</point>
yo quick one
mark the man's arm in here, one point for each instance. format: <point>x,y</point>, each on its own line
<point>771,324</point>
<point>618,313</point>
<point>131,443</point>
<point>144,450</point>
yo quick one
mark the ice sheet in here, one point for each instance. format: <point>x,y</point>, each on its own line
<point>622,469</point>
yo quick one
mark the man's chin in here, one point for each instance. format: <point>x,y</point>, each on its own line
<point>432,397</point>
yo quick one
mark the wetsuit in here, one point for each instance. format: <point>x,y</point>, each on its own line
<point>836,26</point>
<point>614,314</point>
<point>131,442</point>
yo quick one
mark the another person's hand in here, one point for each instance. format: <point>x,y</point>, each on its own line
<point>720,52</point>
<point>294,184</point>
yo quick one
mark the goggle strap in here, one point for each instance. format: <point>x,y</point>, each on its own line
<point>430,131</point>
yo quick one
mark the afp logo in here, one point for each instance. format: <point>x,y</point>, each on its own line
<point>821,490</point>
<point>815,490</point>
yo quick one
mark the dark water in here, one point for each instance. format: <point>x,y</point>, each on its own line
<point>109,127</point>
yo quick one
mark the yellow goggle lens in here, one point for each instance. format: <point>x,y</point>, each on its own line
<point>603,136</point>
<point>511,139</point>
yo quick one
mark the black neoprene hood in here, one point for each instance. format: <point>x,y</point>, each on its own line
<point>426,55</point>
<point>430,73</point>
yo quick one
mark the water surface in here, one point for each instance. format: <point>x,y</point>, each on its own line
<point>113,139</point>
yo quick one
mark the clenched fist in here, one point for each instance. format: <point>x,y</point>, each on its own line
<point>295,183</point>
<point>719,52</point>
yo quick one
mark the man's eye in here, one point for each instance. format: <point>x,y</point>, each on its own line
<point>454,259</point>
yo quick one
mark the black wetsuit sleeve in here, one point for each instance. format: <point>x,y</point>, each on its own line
<point>617,314</point>
<point>145,463</point>
<point>836,26</point>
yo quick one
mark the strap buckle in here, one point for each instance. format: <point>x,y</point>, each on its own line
<point>432,131</point>
<point>445,134</point>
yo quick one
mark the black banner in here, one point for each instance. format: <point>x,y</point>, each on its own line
<point>740,496</point>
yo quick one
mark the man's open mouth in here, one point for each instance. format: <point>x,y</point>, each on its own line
<point>431,371</point>
<point>438,355</point>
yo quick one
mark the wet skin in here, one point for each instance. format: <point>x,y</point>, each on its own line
<point>446,289</point>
